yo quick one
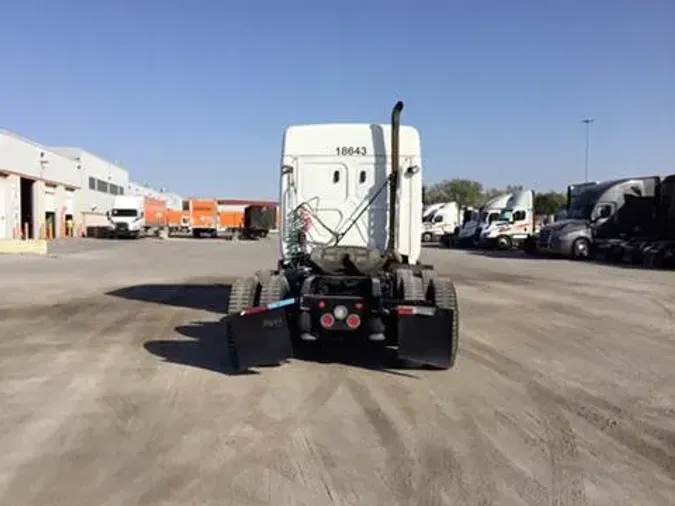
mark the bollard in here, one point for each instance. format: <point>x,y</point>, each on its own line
<point>25,231</point>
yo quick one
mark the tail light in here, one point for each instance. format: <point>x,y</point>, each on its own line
<point>353,321</point>
<point>327,320</point>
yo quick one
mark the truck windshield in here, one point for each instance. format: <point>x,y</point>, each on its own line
<point>488,216</point>
<point>583,205</point>
<point>506,215</point>
<point>124,212</point>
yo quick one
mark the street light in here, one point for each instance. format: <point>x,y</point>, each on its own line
<point>588,122</point>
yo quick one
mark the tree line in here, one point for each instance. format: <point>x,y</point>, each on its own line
<point>471,193</point>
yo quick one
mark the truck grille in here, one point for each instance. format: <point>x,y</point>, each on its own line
<point>122,227</point>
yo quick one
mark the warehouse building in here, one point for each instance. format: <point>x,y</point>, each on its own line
<point>173,200</point>
<point>100,181</point>
<point>44,188</point>
<point>38,188</point>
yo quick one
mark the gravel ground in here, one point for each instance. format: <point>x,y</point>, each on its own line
<point>114,390</point>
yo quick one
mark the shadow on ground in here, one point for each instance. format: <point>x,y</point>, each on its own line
<point>511,255</point>
<point>207,349</point>
<point>211,297</point>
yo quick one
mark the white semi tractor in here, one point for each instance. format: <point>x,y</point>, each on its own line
<point>136,216</point>
<point>349,266</point>
<point>443,219</point>
<point>469,233</point>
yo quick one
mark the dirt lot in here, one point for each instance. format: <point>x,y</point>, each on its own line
<point>113,390</point>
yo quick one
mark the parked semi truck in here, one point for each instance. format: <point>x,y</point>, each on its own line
<point>642,231</point>
<point>137,216</point>
<point>469,233</point>
<point>442,220</point>
<point>514,225</point>
<point>349,253</point>
<point>589,217</point>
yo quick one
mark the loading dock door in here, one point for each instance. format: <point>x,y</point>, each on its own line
<point>70,202</point>
<point>50,200</point>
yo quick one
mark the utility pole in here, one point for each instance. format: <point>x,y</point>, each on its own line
<point>588,122</point>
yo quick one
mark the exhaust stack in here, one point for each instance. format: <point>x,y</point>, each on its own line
<point>394,176</point>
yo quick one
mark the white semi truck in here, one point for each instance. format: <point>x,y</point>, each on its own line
<point>444,219</point>
<point>136,216</point>
<point>349,265</point>
<point>514,225</point>
<point>470,232</point>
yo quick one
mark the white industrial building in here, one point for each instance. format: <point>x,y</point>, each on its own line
<point>100,182</point>
<point>41,188</point>
<point>37,187</point>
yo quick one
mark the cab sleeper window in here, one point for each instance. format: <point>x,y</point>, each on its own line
<point>362,176</point>
<point>336,176</point>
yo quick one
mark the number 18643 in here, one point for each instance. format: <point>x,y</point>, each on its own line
<point>351,151</point>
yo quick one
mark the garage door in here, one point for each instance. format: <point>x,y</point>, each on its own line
<point>50,200</point>
<point>69,203</point>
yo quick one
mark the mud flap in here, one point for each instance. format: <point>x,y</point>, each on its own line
<point>259,338</point>
<point>425,335</point>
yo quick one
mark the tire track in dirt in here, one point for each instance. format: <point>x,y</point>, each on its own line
<point>51,418</point>
<point>261,444</point>
<point>567,482</point>
<point>438,475</point>
<point>401,460</point>
<point>607,418</point>
<point>486,461</point>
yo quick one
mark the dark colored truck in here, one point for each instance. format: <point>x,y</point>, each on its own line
<point>644,231</point>
<point>593,215</point>
<point>258,221</point>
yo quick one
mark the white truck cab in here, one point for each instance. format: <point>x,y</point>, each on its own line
<point>443,220</point>
<point>350,242</point>
<point>338,173</point>
<point>515,223</point>
<point>470,231</point>
<point>127,217</point>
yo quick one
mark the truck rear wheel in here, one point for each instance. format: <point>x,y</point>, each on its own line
<point>273,289</point>
<point>411,287</point>
<point>444,296</point>
<point>243,294</point>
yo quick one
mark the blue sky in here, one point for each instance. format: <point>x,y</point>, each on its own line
<point>194,94</point>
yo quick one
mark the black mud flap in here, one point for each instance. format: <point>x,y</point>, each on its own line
<point>425,335</point>
<point>258,339</point>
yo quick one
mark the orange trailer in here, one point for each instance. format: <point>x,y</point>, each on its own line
<point>204,217</point>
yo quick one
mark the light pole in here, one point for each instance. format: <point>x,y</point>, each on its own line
<point>588,122</point>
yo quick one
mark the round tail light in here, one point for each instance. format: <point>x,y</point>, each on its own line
<point>327,320</point>
<point>353,321</point>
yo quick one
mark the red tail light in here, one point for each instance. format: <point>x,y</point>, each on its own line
<point>353,321</point>
<point>405,311</point>
<point>327,320</point>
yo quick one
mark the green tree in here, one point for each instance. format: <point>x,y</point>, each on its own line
<point>463,191</point>
<point>548,203</point>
